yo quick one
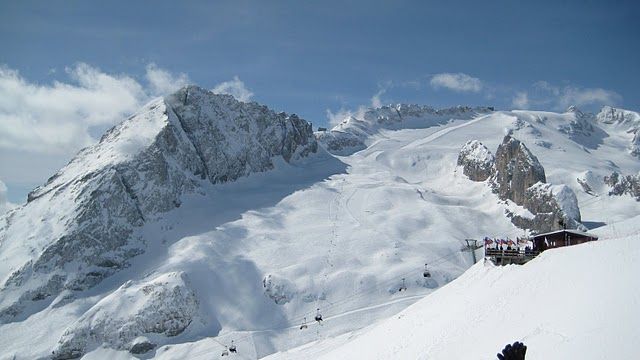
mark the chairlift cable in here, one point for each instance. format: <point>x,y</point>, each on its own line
<point>296,318</point>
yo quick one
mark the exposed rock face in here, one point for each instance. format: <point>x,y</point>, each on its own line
<point>255,127</point>
<point>341,142</point>
<point>517,175</point>
<point>89,214</point>
<point>554,207</point>
<point>628,120</point>
<point>621,185</point>
<point>634,148</point>
<point>586,180</point>
<point>476,160</point>
<point>142,345</point>
<point>280,290</point>
<point>349,136</point>
<point>581,125</point>
<point>516,169</point>
<point>165,305</point>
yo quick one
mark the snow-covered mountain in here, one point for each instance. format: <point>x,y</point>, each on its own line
<point>203,220</point>
<point>628,121</point>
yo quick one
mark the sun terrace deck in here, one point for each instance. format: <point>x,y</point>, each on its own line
<point>506,257</point>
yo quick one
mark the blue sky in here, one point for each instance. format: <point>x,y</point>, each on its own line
<point>310,58</point>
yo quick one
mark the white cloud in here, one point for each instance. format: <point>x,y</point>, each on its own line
<point>546,87</point>
<point>56,118</point>
<point>344,113</point>
<point>5,205</point>
<point>376,102</point>
<point>339,116</point>
<point>163,82</point>
<point>521,100</point>
<point>44,124</point>
<point>457,82</point>
<point>547,95</point>
<point>234,87</point>
<point>577,96</point>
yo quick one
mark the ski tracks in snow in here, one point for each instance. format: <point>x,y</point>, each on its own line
<point>441,133</point>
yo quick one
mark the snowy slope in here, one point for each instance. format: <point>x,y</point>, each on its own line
<point>249,259</point>
<point>578,302</point>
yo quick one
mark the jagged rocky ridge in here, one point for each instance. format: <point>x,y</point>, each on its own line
<point>516,175</point>
<point>349,136</point>
<point>94,207</point>
<point>629,120</point>
<point>621,185</point>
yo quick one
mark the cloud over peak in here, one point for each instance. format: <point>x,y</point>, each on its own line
<point>344,113</point>
<point>236,88</point>
<point>162,82</point>
<point>587,96</point>
<point>521,100</point>
<point>545,95</point>
<point>57,118</point>
<point>5,205</point>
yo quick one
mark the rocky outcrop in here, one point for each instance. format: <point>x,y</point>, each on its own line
<point>627,120</point>
<point>614,116</point>
<point>519,177</point>
<point>634,147</point>
<point>516,175</point>
<point>580,126</point>
<point>278,289</point>
<point>141,345</point>
<point>554,208</point>
<point>623,185</point>
<point>516,169</point>
<point>476,160</point>
<point>90,213</point>
<point>164,306</point>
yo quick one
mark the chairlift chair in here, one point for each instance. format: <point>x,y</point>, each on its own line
<point>233,348</point>
<point>318,317</point>
<point>304,324</point>
<point>403,287</point>
<point>426,272</point>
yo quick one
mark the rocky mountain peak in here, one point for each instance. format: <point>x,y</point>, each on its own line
<point>517,169</point>
<point>93,208</point>
<point>516,175</point>
<point>574,109</point>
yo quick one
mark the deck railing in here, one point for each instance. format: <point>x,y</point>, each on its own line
<point>512,256</point>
